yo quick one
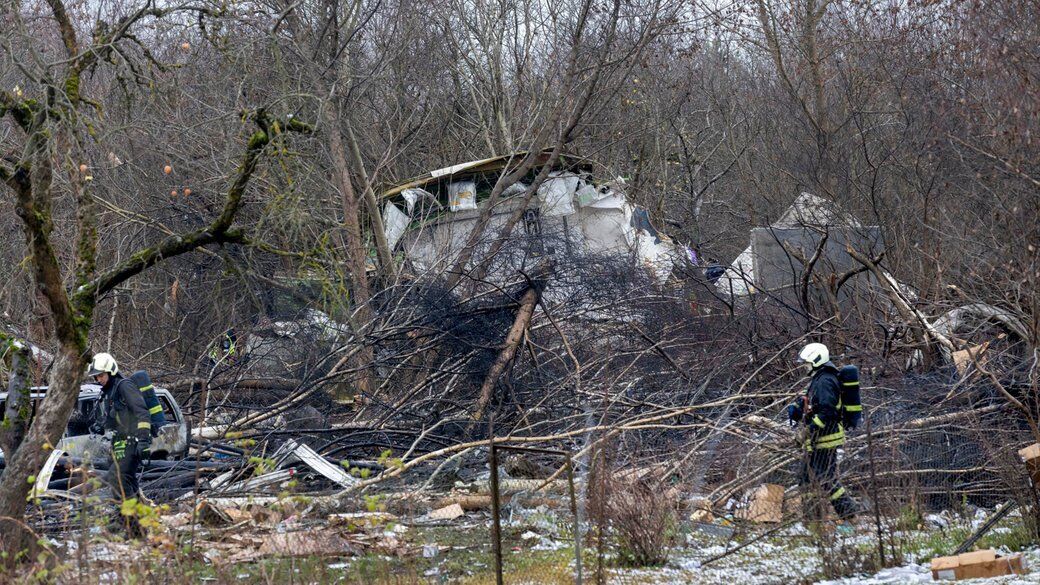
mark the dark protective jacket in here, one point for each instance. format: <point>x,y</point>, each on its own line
<point>124,409</point>
<point>824,420</point>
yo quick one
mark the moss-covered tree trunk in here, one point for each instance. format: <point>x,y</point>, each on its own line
<point>18,407</point>
<point>52,414</point>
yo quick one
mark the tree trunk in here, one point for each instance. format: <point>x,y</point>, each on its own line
<point>47,428</point>
<point>357,252</point>
<point>18,408</point>
<point>383,252</point>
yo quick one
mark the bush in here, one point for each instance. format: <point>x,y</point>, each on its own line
<point>643,520</point>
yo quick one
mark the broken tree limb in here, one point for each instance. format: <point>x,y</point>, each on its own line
<point>909,313</point>
<point>267,383</point>
<point>516,334</point>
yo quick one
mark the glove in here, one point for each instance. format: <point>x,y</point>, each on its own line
<point>794,414</point>
<point>144,448</point>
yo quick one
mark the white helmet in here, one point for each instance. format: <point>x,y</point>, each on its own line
<point>815,354</point>
<point>103,363</point>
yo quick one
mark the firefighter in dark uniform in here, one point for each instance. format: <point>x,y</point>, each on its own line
<point>821,413</point>
<point>123,411</point>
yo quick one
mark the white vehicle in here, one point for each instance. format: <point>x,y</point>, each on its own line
<point>172,441</point>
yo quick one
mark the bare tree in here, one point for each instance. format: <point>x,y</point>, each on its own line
<point>57,117</point>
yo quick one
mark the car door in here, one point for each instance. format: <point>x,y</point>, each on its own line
<point>78,442</point>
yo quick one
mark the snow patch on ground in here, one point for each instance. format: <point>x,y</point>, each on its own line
<point>758,563</point>
<point>914,573</point>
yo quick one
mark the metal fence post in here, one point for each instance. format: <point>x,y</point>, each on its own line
<point>496,508</point>
<point>496,514</point>
<point>577,522</point>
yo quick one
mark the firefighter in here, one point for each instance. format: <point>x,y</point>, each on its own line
<point>820,411</point>
<point>123,412</point>
<point>225,350</point>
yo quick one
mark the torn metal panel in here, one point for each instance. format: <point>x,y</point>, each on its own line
<point>43,478</point>
<point>971,316</point>
<point>222,479</point>
<point>810,210</point>
<point>488,165</point>
<point>462,196</point>
<point>557,193</point>
<point>569,216</point>
<point>395,222</point>
<point>308,456</point>
<point>413,196</point>
<point>766,265</point>
<point>776,268</point>
<point>588,195</point>
<point>738,280</point>
<point>656,255</point>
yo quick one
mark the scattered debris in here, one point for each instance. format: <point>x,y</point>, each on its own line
<point>702,510</point>
<point>592,217</point>
<point>977,565</point>
<point>354,521</point>
<point>764,504</point>
<point>965,359</point>
<point>1031,457</point>
<point>43,479</point>
<point>447,513</point>
<point>210,515</point>
<point>306,543</point>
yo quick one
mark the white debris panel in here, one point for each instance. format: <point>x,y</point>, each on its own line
<point>807,211</point>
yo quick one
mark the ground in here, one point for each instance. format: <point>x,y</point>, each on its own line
<point>537,549</point>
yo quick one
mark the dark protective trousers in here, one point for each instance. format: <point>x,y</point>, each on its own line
<point>122,475</point>
<point>820,476</point>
